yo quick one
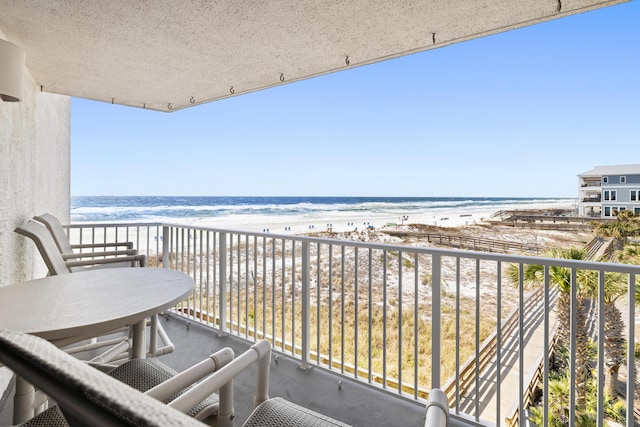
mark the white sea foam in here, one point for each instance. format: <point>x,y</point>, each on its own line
<point>299,215</point>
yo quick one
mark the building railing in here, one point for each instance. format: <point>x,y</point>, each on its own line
<point>400,318</point>
<point>591,184</point>
<point>592,199</point>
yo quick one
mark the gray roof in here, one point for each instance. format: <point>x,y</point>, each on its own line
<point>171,54</point>
<point>613,170</point>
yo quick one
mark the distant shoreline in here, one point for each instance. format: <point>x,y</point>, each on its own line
<point>440,217</point>
<point>302,215</point>
<point>444,218</point>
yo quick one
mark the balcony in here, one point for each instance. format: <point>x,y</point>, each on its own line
<point>597,183</point>
<point>597,199</point>
<point>426,318</point>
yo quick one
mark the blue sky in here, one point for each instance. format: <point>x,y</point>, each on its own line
<point>515,114</point>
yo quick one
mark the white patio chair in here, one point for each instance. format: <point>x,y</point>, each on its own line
<point>139,373</point>
<point>54,259</point>
<point>69,254</point>
<point>56,265</point>
<point>87,397</point>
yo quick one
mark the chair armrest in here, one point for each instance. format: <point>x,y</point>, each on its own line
<point>223,380</point>
<point>141,259</point>
<point>190,376</point>
<point>98,254</point>
<point>437,411</point>
<point>128,245</point>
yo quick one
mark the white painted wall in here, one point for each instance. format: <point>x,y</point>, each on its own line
<point>34,177</point>
<point>34,174</point>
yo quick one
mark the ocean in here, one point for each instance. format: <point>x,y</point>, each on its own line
<point>299,214</point>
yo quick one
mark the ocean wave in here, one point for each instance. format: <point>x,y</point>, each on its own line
<point>87,209</point>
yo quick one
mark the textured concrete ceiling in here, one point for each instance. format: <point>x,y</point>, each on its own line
<point>171,54</point>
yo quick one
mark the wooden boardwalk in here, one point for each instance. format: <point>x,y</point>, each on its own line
<point>458,241</point>
<point>482,402</point>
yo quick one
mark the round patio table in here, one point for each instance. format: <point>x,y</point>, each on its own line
<point>68,308</point>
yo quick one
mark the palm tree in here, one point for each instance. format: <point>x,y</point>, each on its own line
<point>614,353</point>
<point>561,278</point>
<point>615,289</point>
<point>626,224</point>
<point>559,406</point>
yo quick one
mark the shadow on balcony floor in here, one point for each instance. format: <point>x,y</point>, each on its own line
<point>356,404</point>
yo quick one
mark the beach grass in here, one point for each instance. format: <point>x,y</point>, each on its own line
<point>363,319</point>
<point>381,344</point>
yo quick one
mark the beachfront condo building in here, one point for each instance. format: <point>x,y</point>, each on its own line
<point>606,190</point>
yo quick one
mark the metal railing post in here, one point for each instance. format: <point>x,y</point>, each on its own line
<point>631,324</point>
<point>222,269</point>
<point>166,262</point>
<point>572,345</point>
<point>306,303</point>
<point>436,279</point>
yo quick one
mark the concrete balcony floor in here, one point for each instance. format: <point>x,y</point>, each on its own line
<point>354,403</point>
<point>340,397</point>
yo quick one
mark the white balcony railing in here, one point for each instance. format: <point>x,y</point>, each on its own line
<point>404,319</point>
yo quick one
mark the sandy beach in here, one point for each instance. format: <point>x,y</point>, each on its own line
<point>305,224</point>
<point>469,221</point>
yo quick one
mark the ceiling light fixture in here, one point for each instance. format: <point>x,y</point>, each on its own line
<point>11,71</point>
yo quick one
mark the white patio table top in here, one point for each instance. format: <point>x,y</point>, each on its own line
<point>71,307</point>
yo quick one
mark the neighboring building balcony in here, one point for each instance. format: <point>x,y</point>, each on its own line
<point>585,184</point>
<point>592,199</point>
<point>387,323</point>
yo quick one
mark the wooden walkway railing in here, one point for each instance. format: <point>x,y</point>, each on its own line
<point>556,220</point>
<point>471,243</point>
<point>460,384</point>
<point>533,382</point>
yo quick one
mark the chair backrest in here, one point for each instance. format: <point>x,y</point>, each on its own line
<point>57,231</point>
<point>85,395</point>
<point>46,245</point>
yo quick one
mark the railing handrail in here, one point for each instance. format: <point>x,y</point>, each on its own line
<point>462,253</point>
